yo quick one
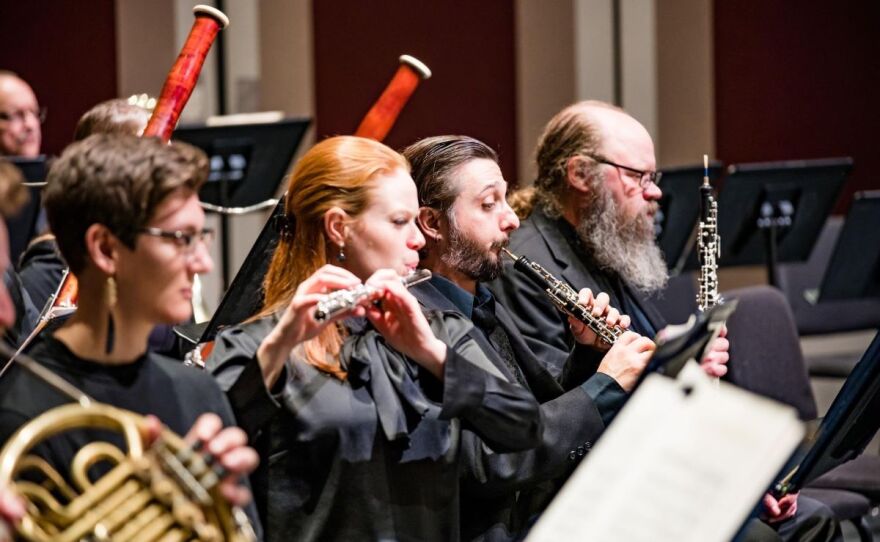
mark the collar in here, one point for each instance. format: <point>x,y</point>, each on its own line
<point>461,298</point>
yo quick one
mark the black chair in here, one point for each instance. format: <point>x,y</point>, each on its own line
<point>800,281</point>
<point>765,353</point>
<point>766,358</point>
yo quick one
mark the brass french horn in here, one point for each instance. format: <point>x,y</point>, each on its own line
<point>165,490</point>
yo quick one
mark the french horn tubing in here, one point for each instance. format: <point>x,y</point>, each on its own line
<point>164,490</point>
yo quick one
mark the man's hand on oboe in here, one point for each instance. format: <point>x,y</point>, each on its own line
<point>601,310</point>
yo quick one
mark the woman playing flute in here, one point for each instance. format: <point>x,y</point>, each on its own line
<point>358,420</point>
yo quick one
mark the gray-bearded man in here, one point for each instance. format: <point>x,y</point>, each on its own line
<point>590,222</point>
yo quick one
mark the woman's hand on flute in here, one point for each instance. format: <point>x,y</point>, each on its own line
<point>298,324</point>
<point>403,324</point>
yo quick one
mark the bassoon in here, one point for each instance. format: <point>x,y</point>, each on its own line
<point>184,74</point>
<point>381,117</point>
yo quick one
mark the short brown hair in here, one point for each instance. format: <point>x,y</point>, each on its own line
<point>112,117</point>
<point>13,194</point>
<point>117,181</point>
<point>434,160</point>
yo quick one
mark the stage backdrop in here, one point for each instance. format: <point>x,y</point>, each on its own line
<point>468,45</point>
<point>798,80</point>
<point>66,51</point>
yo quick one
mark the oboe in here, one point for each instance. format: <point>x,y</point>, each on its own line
<point>564,297</point>
<point>345,300</point>
<point>708,244</point>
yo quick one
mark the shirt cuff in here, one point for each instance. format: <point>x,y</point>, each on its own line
<point>606,394</point>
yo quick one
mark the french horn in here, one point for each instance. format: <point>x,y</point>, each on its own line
<point>165,490</point>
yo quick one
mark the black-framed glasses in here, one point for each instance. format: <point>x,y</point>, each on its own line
<point>22,114</point>
<point>186,240</point>
<point>645,177</point>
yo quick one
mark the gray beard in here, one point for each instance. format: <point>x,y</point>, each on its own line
<point>623,245</point>
<point>470,258</point>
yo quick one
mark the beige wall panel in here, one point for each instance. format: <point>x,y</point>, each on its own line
<point>545,71</point>
<point>686,113</point>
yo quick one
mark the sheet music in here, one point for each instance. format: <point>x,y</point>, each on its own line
<point>675,466</point>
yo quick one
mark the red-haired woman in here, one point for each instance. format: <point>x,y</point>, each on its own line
<point>358,421</point>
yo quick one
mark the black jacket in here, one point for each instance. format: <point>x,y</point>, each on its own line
<point>491,509</point>
<point>375,456</point>
<point>553,244</point>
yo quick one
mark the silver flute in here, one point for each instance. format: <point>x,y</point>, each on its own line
<point>345,300</point>
<point>565,298</point>
<point>708,245</point>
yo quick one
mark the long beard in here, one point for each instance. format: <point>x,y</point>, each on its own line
<point>622,244</point>
<point>470,258</point>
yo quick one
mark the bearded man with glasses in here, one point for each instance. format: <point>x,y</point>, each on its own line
<point>589,220</point>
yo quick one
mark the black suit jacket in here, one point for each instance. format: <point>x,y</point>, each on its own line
<point>543,326</point>
<point>491,481</point>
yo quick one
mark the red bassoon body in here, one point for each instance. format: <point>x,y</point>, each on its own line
<point>381,117</point>
<point>184,74</point>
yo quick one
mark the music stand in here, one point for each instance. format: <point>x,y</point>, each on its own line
<point>245,296</point>
<point>679,211</point>
<point>22,226</point>
<point>248,162</point>
<point>851,423</point>
<point>773,212</point>
<point>854,268</point>
<point>678,344</point>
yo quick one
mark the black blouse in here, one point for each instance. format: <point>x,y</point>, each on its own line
<point>374,456</point>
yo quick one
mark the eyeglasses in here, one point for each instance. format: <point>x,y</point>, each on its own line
<point>645,177</point>
<point>184,239</point>
<point>22,114</point>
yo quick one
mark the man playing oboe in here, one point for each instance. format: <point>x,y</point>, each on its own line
<point>590,221</point>
<point>466,220</point>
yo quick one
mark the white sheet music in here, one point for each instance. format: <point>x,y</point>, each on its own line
<point>675,466</point>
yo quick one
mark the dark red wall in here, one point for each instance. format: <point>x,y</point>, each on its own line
<point>796,79</point>
<point>468,45</point>
<point>66,51</point>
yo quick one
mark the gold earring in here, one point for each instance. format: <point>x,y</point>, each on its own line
<point>110,292</point>
<point>110,297</point>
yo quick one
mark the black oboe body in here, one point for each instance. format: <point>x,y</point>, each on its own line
<point>565,298</point>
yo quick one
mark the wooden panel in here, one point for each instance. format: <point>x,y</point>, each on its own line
<point>796,80</point>
<point>67,52</point>
<point>468,45</point>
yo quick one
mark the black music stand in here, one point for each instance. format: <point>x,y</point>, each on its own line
<point>851,423</point>
<point>23,225</point>
<point>245,296</point>
<point>679,210</point>
<point>773,212</point>
<point>854,268</point>
<point>248,162</point>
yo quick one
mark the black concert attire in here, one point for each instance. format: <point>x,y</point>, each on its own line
<point>375,456</point>
<point>26,313</point>
<point>152,384</point>
<point>554,244</point>
<point>41,268</point>
<point>502,492</point>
